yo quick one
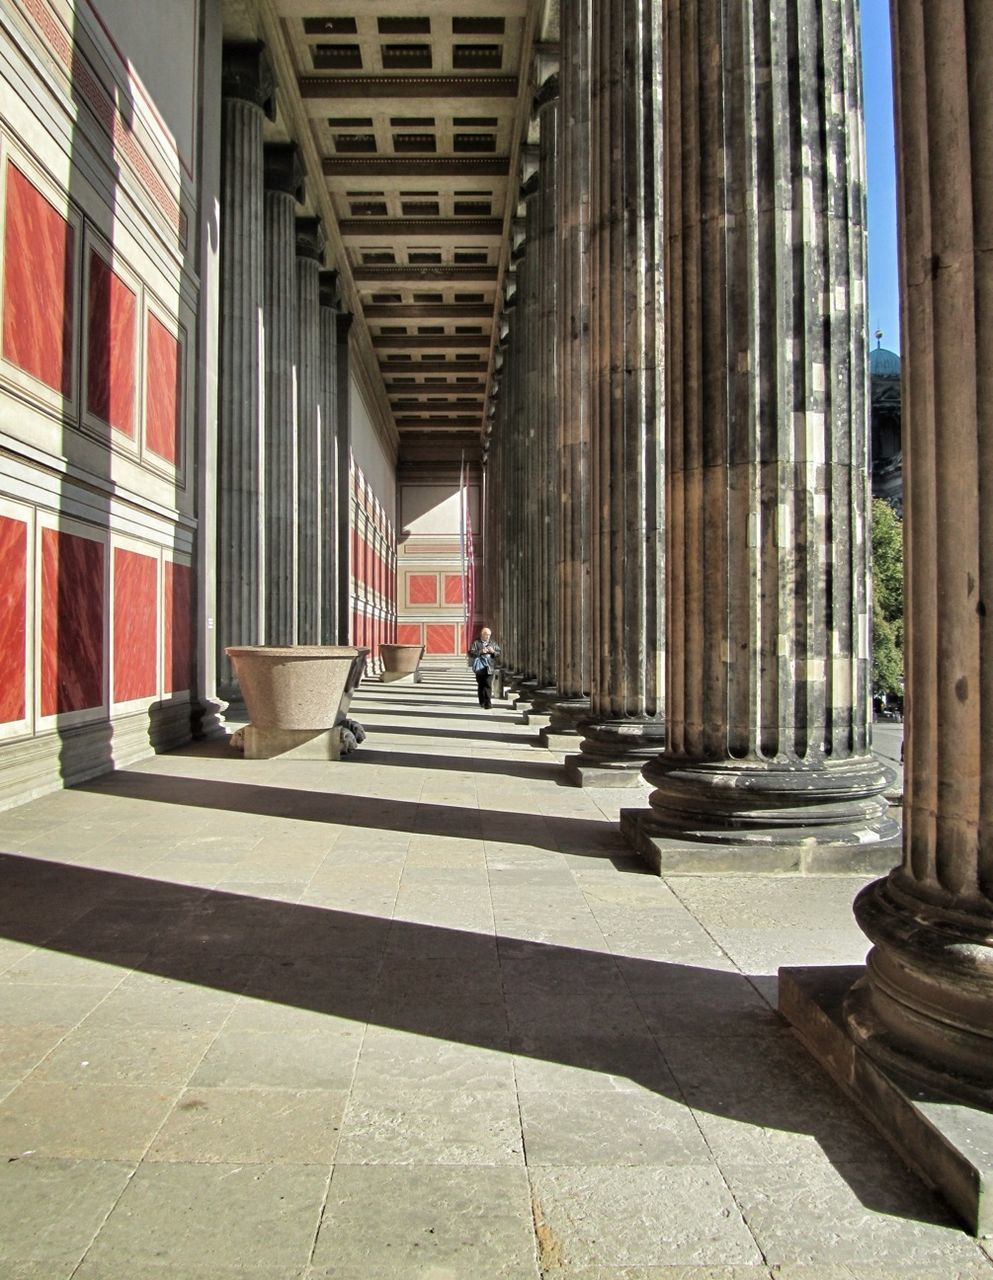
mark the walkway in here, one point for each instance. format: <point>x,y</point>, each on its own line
<point>417,1015</point>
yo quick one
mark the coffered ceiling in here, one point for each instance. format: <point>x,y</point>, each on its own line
<point>417,108</point>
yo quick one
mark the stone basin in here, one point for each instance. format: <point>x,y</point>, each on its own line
<point>400,661</point>
<point>302,687</point>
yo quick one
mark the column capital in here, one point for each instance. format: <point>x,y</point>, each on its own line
<point>310,239</point>
<point>330,289</point>
<point>345,319</point>
<point>545,75</point>
<point>283,170</point>
<point>247,74</point>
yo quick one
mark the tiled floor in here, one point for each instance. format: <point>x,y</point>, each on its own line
<point>417,1014</point>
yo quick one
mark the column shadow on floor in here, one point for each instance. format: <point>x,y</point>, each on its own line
<point>536,772</point>
<point>700,1036</point>
<point>555,832</point>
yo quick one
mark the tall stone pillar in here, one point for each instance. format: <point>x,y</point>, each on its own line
<point>343,496</point>
<point>310,241</point>
<point>327,480</point>
<point>927,1002</point>
<point>572,216</point>
<point>625,726</point>
<point>912,1040</point>
<point>546,479</point>
<point>248,98</point>
<point>283,191</point>
<point>768,762</point>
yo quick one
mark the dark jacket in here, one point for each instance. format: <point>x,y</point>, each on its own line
<point>476,651</point>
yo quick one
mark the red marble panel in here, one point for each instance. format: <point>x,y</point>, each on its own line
<point>72,611</point>
<point>178,627</point>
<point>422,588</point>
<point>111,316</point>
<point>440,638</point>
<point>39,261</point>
<point>453,588</point>
<point>13,617</point>
<point>163,391</point>
<point>409,633</point>
<point>136,622</point>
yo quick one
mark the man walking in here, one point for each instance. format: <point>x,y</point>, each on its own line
<point>482,655</point>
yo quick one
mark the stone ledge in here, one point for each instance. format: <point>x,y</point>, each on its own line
<point>949,1144</point>
<point>667,855</point>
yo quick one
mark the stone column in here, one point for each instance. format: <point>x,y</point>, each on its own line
<point>572,215</point>
<point>768,762</point>
<point>625,726</point>
<point>328,469</point>
<point>926,1005</point>
<point>248,97</point>
<point>546,479</point>
<point>283,191</point>
<point>343,497</point>
<point>310,241</point>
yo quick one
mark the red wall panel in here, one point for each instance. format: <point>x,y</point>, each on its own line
<point>72,612</point>
<point>440,637</point>
<point>136,625</point>
<point>409,633</point>
<point>13,617</point>
<point>178,627</point>
<point>453,588</point>
<point>422,588</point>
<point>111,316</point>
<point>162,391</point>
<point>39,263</point>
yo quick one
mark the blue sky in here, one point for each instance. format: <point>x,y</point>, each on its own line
<point>877,74</point>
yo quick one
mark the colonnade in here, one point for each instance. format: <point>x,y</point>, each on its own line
<point>283,405</point>
<point>708,419</point>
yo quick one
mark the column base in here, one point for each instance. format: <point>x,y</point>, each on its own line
<point>950,1144</point>
<point>667,854</point>
<point>562,732</point>
<point>613,754</point>
<point>925,1007</point>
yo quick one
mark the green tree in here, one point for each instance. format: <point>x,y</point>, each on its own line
<point>887,599</point>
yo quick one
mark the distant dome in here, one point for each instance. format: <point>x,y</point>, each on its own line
<point>883,363</point>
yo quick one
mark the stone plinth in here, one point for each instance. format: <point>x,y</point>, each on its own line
<point>401,662</point>
<point>295,693</point>
<point>948,1143</point>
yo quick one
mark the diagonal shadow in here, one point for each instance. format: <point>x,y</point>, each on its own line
<point>514,739</point>
<point>537,771</point>
<point>584,836</point>
<point>468,712</point>
<point>700,1036</point>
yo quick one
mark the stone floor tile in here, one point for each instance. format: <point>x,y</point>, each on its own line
<point>84,1122</point>
<point>214,1217</point>
<point>50,1210</point>
<point>98,1054</point>
<point>386,1124</point>
<point>408,1060</point>
<point>610,1128</point>
<point>36,1004</point>
<point>671,1273</point>
<point>95,1270</point>
<point>624,1217</point>
<point>803,1212</point>
<point>251,1126</point>
<point>460,1223</point>
<point>22,1048</point>
<point>159,996</point>
<point>66,969</point>
<point>317,1059</point>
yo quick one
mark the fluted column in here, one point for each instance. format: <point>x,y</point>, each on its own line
<point>927,1003</point>
<point>768,626</point>
<point>327,479</point>
<point>627,591</point>
<point>248,97</point>
<point>283,190</point>
<point>546,480</point>
<point>572,215</point>
<point>310,243</point>
<point>525,319</point>
<point>343,427</point>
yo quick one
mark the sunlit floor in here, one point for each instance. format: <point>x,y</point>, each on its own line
<point>417,1014</point>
